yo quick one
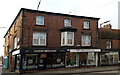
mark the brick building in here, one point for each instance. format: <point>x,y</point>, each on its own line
<point>109,43</point>
<point>40,40</point>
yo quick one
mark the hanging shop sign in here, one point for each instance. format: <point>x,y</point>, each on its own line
<point>84,50</point>
<point>16,52</point>
<point>43,55</point>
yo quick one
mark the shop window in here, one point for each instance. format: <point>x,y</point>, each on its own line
<point>72,59</point>
<point>58,60</point>
<point>86,40</point>
<point>39,38</point>
<point>30,61</point>
<point>67,38</point>
<point>111,58</point>
<point>91,59</point>
<point>116,57</point>
<point>108,44</point>
<point>39,20</point>
<point>67,23</point>
<point>104,59</point>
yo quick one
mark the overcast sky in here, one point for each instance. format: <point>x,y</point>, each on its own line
<point>104,9</point>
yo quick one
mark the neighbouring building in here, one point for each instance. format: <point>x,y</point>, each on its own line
<point>39,40</point>
<point>109,43</point>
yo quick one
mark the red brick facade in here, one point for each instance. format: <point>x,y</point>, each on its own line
<point>52,25</point>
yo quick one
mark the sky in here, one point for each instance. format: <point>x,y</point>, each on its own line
<point>103,9</point>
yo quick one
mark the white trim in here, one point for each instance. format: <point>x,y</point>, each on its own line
<point>39,39</point>
<point>66,39</point>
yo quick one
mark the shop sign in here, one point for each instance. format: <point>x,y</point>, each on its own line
<point>16,52</point>
<point>85,50</point>
<point>45,50</point>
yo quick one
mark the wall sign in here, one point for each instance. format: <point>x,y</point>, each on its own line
<point>43,50</point>
<point>84,50</point>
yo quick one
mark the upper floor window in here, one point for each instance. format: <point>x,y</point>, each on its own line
<point>15,42</point>
<point>86,25</point>
<point>39,38</point>
<point>67,38</point>
<point>108,44</point>
<point>86,40</point>
<point>40,20</point>
<point>67,23</point>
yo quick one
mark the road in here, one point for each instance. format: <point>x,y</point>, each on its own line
<point>6,72</point>
<point>101,73</point>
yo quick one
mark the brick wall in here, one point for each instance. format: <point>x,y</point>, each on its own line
<point>52,24</point>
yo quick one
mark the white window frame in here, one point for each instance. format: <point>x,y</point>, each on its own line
<point>86,25</point>
<point>110,45</point>
<point>84,35</point>
<point>66,39</point>
<point>67,22</point>
<point>39,44</point>
<point>39,20</point>
<point>15,42</point>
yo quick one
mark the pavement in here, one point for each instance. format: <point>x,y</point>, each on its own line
<point>67,71</point>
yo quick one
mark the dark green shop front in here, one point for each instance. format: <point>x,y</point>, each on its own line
<point>39,59</point>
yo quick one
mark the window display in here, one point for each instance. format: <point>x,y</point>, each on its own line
<point>30,61</point>
<point>72,59</point>
<point>116,58</point>
<point>82,59</point>
<point>58,59</point>
<point>17,61</point>
<point>91,59</point>
<point>104,59</point>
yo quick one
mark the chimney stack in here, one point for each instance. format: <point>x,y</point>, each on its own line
<point>108,26</point>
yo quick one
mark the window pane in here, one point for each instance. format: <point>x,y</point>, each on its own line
<point>40,20</point>
<point>39,38</point>
<point>69,37</point>
<point>108,44</point>
<point>36,41</point>
<point>15,42</point>
<point>86,40</point>
<point>63,38</point>
<point>86,25</point>
<point>67,22</point>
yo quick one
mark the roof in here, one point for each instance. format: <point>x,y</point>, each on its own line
<point>109,33</point>
<point>52,13</point>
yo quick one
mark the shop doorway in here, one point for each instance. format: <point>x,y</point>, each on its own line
<point>42,61</point>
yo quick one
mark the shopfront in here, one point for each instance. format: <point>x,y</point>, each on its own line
<point>82,57</point>
<point>34,59</point>
<point>109,58</point>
